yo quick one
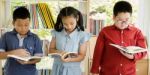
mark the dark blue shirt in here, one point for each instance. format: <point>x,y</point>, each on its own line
<point>10,41</point>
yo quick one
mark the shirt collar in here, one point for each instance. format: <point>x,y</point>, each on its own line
<point>72,34</point>
<point>15,32</point>
<point>128,28</point>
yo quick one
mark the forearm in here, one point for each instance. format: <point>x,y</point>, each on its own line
<point>34,61</point>
<point>79,58</point>
<point>3,55</point>
<point>54,51</point>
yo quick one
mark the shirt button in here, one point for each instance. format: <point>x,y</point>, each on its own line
<point>122,42</point>
<point>120,74</point>
<point>68,39</point>
<point>120,64</point>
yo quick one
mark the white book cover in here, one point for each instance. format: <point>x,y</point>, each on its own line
<point>130,49</point>
<point>24,58</point>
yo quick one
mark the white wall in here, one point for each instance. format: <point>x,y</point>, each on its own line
<point>2,13</point>
<point>5,13</point>
<point>144,18</point>
<point>144,21</point>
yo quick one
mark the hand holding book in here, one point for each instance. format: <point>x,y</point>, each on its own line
<point>27,58</point>
<point>19,52</point>
<point>65,55</point>
<point>128,55</point>
<point>130,49</point>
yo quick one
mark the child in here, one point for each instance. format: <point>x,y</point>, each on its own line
<point>68,36</point>
<point>20,42</point>
<point>108,60</point>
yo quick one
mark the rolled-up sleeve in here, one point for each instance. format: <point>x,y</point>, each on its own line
<point>141,41</point>
<point>3,43</point>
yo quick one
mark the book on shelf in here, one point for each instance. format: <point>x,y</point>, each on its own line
<point>41,16</point>
<point>65,55</point>
<point>24,58</point>
<point>130,49</point>
<point>96,26</point>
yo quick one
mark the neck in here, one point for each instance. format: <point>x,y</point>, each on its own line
<point>68,32</point>
<point>22,36</point>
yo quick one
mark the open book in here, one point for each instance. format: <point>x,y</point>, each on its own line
<point>130,49</point>
<point>66,55</point>
<point>24,58</point>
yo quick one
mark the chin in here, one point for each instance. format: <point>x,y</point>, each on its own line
<point>23,33</point>
<point>70,30</point>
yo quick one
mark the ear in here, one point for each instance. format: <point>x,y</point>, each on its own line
<point>113,17</point>
<point>77,18</point>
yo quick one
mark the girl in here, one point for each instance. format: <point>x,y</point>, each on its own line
<point>68,36</point>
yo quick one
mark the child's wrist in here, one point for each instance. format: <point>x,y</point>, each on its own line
<point>70,60</point>
<point>61,52</point>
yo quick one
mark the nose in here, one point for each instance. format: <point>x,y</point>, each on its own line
<point>123,22</point>
<point>22,28</point>
<point>69,26</point>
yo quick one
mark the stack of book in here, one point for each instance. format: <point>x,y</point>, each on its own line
<point>96,26</point>
<point>41,16</point>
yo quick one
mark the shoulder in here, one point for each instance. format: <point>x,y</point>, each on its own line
<point>133,28</point>
<point>34,36</point>
<point>54,32</point>
<point>8,34</point>
<point>108,27</point>
<point>84,34</point>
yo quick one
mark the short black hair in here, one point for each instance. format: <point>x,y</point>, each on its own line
<point>21,13</point>
<point>122,6</point>
<point>69,11</point>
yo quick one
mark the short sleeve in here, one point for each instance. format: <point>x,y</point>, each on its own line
<point>84,37</point>
<point>3,43</point>
<point>53,32</point>
<point>38,47</point>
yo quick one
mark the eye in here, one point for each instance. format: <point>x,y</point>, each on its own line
<point>73,22</point>
<point>64,24</point>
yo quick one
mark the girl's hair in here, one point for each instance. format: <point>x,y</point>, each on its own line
<point>69,11</point>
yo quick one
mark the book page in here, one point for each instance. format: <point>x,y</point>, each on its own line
<point>119,47</point>
<point>55,54</point>
<point>130,49</point>
<point>70,55</point>
<point>66,55</point>
<point>136,49</point>
<point>24,58</point>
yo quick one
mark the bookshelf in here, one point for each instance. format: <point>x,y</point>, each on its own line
<point>53,5</point>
